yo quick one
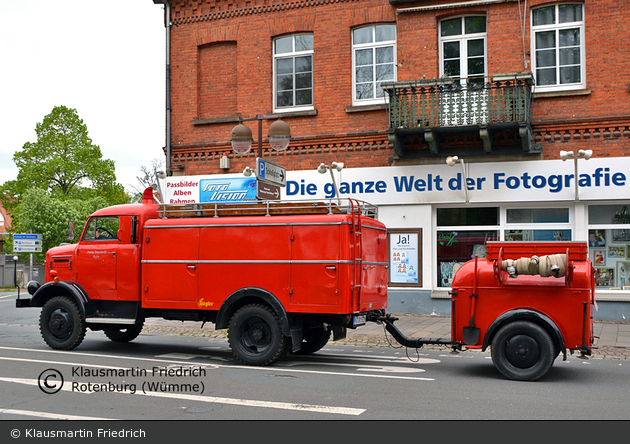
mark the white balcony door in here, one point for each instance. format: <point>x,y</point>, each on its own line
<point>463,59</point>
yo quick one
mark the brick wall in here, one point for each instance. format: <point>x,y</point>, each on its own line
<point>222,67</point>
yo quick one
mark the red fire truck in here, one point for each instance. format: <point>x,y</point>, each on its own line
<point>285,277</point>
<point>279,276</point>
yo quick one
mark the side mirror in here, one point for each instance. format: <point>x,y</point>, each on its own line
<point>70,231</point>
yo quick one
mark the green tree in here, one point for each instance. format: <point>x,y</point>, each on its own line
<point>64,162</point>
<point>50,217</point>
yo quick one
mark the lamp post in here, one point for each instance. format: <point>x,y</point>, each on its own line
<point>586,154</point>
<point>15,264</point>
<point>322,168</point>
<point>452,161</point>
<point>279,135</point>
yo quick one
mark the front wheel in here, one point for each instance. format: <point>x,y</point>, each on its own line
<point>522,351</point>
<point>61,323</point>
<point>255,335</point>
<point>126,333</point>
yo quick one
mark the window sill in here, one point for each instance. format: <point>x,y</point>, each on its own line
<point>236,119</point>
<point>216,120</point>
<point>570,93</point>
<point>363,108</point>
<point>286,114</point>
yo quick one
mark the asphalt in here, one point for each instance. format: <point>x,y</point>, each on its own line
<point>612,339</point>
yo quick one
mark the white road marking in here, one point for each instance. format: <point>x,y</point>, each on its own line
<point>219,400</point>
<point>52,415</point>
<point>277,368</point>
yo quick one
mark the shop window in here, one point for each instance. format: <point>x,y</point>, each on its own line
<point>463,233</point>
<point>609,245</point>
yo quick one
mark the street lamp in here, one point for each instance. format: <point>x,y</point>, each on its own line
<point>279,135</point>
<point>322,168</point>
<point>15,264</point>
<point>586,154</point>
<point>452,161</point>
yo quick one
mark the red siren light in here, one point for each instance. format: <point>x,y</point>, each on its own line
<point>147,196</point>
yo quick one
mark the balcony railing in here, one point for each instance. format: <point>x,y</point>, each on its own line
<point>432,106</point>
<point>438,103</point>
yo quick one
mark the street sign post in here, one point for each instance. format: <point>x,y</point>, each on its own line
<point>27,243</point>
<point>271,172</point>
<point>267,191</point>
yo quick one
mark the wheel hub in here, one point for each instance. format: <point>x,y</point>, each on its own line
<point>60,323</point>
<point>522,351</point>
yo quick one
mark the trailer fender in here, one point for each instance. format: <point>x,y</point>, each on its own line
<point>251,295</point>
<point>63,288</point>
<point>531,315</point>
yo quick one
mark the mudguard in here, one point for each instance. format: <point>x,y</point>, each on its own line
<point>62,288</point>
<point>251,295</point>
<point>526,314</point>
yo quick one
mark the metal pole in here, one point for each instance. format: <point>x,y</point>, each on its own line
<point>260,119</point>
<point>575,161</point>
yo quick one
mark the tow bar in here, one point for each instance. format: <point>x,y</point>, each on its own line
<point>403,340</point>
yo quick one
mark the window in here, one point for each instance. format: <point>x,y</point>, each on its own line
<point>102,228</point>
<point>463,233</point>
<point>463,49</point>
<point>551,225</point>
<point>609,245</point>
<point>374,62</point>
<point>558,47</point>
<point>293,72</point>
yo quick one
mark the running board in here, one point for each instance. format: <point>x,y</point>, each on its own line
<point>126,321</point>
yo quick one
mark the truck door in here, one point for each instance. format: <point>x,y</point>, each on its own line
<point>315,266</point>
<point>170,266</point>
<point>96,257</point>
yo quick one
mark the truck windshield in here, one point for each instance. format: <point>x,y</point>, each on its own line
<point>102,228</point>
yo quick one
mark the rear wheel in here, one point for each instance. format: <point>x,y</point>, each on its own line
<point>313,340</point>
<point>123,333</point>
<point>523,351</point>
<point>61,323</point>
<point>255,335</point>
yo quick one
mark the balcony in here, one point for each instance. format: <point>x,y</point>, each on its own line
<point>491,116</point>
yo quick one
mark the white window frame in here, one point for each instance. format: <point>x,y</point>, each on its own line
<point>557,27</point>
<point>501,228</point>
<point>293,54</point>
<point>373,45</point>
<point>463,47</point>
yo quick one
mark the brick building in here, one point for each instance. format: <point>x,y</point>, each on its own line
<point>394,88</point>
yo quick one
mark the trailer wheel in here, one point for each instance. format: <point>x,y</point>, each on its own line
<point>123,333</point>
<point>61,324</point>
<point>522,351</point>
<point>314,339</point>
<point>255,335</point>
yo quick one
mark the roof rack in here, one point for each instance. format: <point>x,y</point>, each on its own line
<point>269,208</point>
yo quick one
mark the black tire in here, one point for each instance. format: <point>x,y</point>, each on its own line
<point>123,333</point>
<point>255,335</point>
<point>314,340</point>
<point>61,323</point>
<point>523,351</point>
